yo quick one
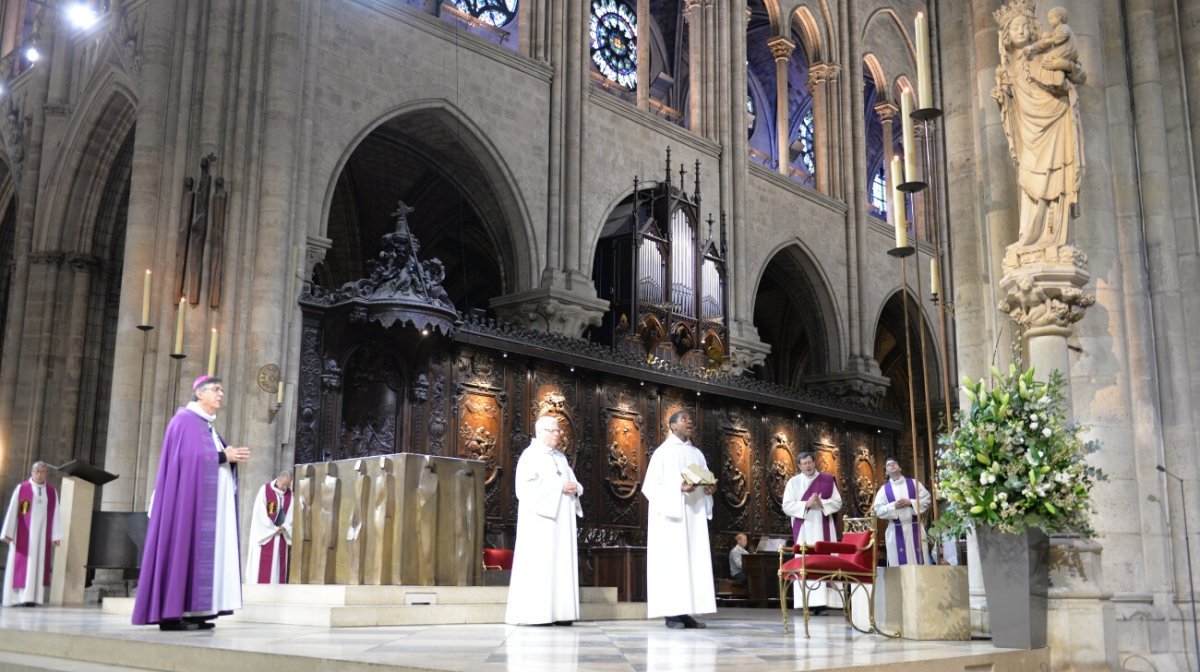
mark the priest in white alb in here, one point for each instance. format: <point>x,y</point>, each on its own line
<point>32,529</point>
<point>544,588</point>
<point>679,577</point>
<point>811,498</point>
<point>900,502</point>
<point>271,532</point>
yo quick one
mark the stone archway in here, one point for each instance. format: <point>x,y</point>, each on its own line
<point>427,159</point>
<point>794,312</point>
<point>892,352</point>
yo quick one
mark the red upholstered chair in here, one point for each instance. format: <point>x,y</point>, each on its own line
<point>849,563</point>
<point>497,559</point>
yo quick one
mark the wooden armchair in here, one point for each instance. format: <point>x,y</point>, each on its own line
<point>850,564</point>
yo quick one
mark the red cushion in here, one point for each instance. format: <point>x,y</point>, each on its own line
<point>859,540</point>
<point>828,547</point>
<point>820,566</point>
<point>497,557</point>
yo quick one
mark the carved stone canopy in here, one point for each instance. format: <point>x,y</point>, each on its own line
<point>399,287</point>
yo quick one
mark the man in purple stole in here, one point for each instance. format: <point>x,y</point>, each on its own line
<point>271,532</point>
<point>31,529</point>
<point>811,498</point>
<point>901,501</point>
<point>191,566</point>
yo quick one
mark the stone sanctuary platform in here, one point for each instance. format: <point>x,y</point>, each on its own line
<point>367,606</point>
<point>89,639</point>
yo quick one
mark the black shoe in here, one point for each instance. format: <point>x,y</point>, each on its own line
<point>564,622</point>
<point>201,622</point>
<point>29,604</point>
<point>691,623</point>
<point>816,611</point>
<point>541,625</point>
<point>674,622</point>
<point>177,625</point>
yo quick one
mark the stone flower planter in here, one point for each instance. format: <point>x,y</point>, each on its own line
<point>1016,578</point>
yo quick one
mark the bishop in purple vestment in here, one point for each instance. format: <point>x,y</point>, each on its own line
<point>900,502</point>
<point>191,566</point>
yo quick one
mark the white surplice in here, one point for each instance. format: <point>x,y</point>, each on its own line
<point>679,578</point>
<point>34,590</point>
<point>262,530</point>
<point>810,532</point>
<point>545,576</point>
<point>227,577</point>
<point>888,511</point>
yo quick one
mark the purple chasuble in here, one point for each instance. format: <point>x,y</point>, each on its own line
<point>822,485</point>
<point>180,552</point>
<point>24,520</point>
<point>901,546</point>
<point>277,514</point>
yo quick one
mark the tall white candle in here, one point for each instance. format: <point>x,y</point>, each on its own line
<point>179,326</point>
<point>145,300</point>
<point>212,353</point>
<point>924,81</point>
<point>897,209</point>
<point>935,277</point>
<point>910,136</point>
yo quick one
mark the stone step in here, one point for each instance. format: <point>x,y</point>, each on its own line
<point>362,606</point>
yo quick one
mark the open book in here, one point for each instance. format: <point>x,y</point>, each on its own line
<point>698,475</point>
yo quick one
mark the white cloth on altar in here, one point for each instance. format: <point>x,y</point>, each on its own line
<point>679,578</point>
<point>545,575</point>
<point>810,532</point>
<point>227,576</point>
<point>262,530</point>
<point>34,590</point>
<point>888,511</point>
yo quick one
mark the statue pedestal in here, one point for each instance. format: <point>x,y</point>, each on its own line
<point>923,602</point>
<point>69,573</point>
<point>565,304</point>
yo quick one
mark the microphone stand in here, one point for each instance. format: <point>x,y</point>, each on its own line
<point>1187,546</point>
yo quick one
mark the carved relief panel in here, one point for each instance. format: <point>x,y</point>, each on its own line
<point>863,483</point>
<point>555,397</point>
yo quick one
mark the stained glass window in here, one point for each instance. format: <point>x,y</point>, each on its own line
<point>805,135</point>
<point>751,117</point>
<point>879,192</point>
<point>614,41</point>
<point>492,12</point>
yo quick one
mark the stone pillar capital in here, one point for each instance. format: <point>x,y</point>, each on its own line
<point>822,73</point>
<point>555,309</point>
<point>781,47</point>
<point>886,111</point>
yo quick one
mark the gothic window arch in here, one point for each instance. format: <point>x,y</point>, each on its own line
<point>612,27</point>
<point>496,13</point>
<point>878,194</point>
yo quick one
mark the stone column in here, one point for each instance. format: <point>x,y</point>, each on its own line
<point>887,113</point>
<point>133,401</point>
<point>821,78</point>
<point>781,49</point>
<point>566,301</point>
<point>693,15</point>
<point>643,62</point>
<point>712,99</point>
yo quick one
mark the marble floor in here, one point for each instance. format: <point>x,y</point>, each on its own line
<point>735,638</point>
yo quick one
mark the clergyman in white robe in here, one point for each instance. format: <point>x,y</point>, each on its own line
<point>818,522</point>
<point>679,578</point>
<point>37,559</point>
<point>902,507</point>
<point>267,532</point>
<point>544,587</point>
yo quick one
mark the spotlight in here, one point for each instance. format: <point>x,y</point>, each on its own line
<point>424,332</point>
<point>81,16</point>
<point>32,54</point>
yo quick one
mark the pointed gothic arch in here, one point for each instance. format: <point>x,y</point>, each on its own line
<point>795,312</point>
<point>468,210</point>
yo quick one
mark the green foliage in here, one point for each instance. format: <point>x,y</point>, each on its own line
<point>1013,462</point>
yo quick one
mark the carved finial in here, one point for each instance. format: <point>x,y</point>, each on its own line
<point>668,165</point>
<point>401,214</point>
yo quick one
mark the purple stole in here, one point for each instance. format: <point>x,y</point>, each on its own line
<point>24,519</point>
<point>901,546</point>
<point>276,544</point>
<point>823,486</point>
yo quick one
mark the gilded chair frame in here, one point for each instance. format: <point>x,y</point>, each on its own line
<point>847,581</point>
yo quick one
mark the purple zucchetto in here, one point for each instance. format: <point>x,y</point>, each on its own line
<point>201,380</point>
